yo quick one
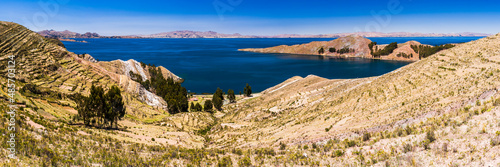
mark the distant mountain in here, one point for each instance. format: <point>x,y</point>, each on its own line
<point>67,34</point>
<point>195,34</point>
<point>212,34</point>
<point>379,34</point>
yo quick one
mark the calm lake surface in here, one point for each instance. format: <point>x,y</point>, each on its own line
<point>206,64</point>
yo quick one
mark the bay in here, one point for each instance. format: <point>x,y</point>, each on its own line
<point>206,64</point>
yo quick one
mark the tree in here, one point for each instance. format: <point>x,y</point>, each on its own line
<point>332,50</point>
<point>230,96</point>
<point>97,103</point>
<point>247,90</point>
<point>321,51</point>
<point>218,99</point>
<point>193,108</point>
<point>83,108</point>
<point>208,106</point>
<point>198,107</point>
<point>116,109</point>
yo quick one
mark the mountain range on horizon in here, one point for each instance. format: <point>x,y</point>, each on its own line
<point>213,34</point>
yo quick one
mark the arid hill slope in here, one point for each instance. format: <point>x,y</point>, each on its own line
<point>317,110</point>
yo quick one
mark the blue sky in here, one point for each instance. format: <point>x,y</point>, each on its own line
<point>254,17</point>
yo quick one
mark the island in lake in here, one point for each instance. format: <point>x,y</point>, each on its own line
<point>358,46</point>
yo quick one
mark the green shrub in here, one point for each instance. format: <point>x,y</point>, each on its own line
<point>495,141</point>
<point>366,136</point>
<point>282,146</point>
<point>407,148</point>
<point>338,153</point>
<point>245,161</point>
<point>496,102</point>
<point>225,162</point>
<point>430,136</point>
<point>349,143</point>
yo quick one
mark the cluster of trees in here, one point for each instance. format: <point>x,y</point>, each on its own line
<point>370,45</point>
<point>99,107</point>
<point>218,100</point>
<point>207,107</point>
<point>405,55</point>
<point>247,90</point>
<point>171,91</point>
<point>196,107</point>
<point>383,52</point>
<point>341,51</point>
<point>426,51</point>
<point>176,96</point>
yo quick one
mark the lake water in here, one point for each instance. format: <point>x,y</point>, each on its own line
<point>206,64</point>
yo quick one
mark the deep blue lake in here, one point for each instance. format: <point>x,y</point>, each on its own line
<point>206,64</point>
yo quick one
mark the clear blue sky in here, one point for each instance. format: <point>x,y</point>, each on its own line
<point>254,17</point>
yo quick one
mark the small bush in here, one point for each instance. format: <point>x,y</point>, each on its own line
<point>495,141</point>
<point>445,147</point>
<point>366,136</point>
<point>282,146</point>
<point>349,143</point>
<point>338,153</point>
<point>245,161</point>
<point>407,148</point>
<point>496,102</point>
<point>225,162</point>
<point>430,136</point>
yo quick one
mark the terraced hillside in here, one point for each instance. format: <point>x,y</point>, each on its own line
<point>440,111</point>
<point>48,76</point>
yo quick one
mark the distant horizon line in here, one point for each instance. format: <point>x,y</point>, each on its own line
<point>421,34</point>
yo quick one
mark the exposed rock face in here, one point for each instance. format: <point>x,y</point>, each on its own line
<point>125,67</point>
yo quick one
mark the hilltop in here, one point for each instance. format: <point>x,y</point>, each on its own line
<point>442,110</point>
